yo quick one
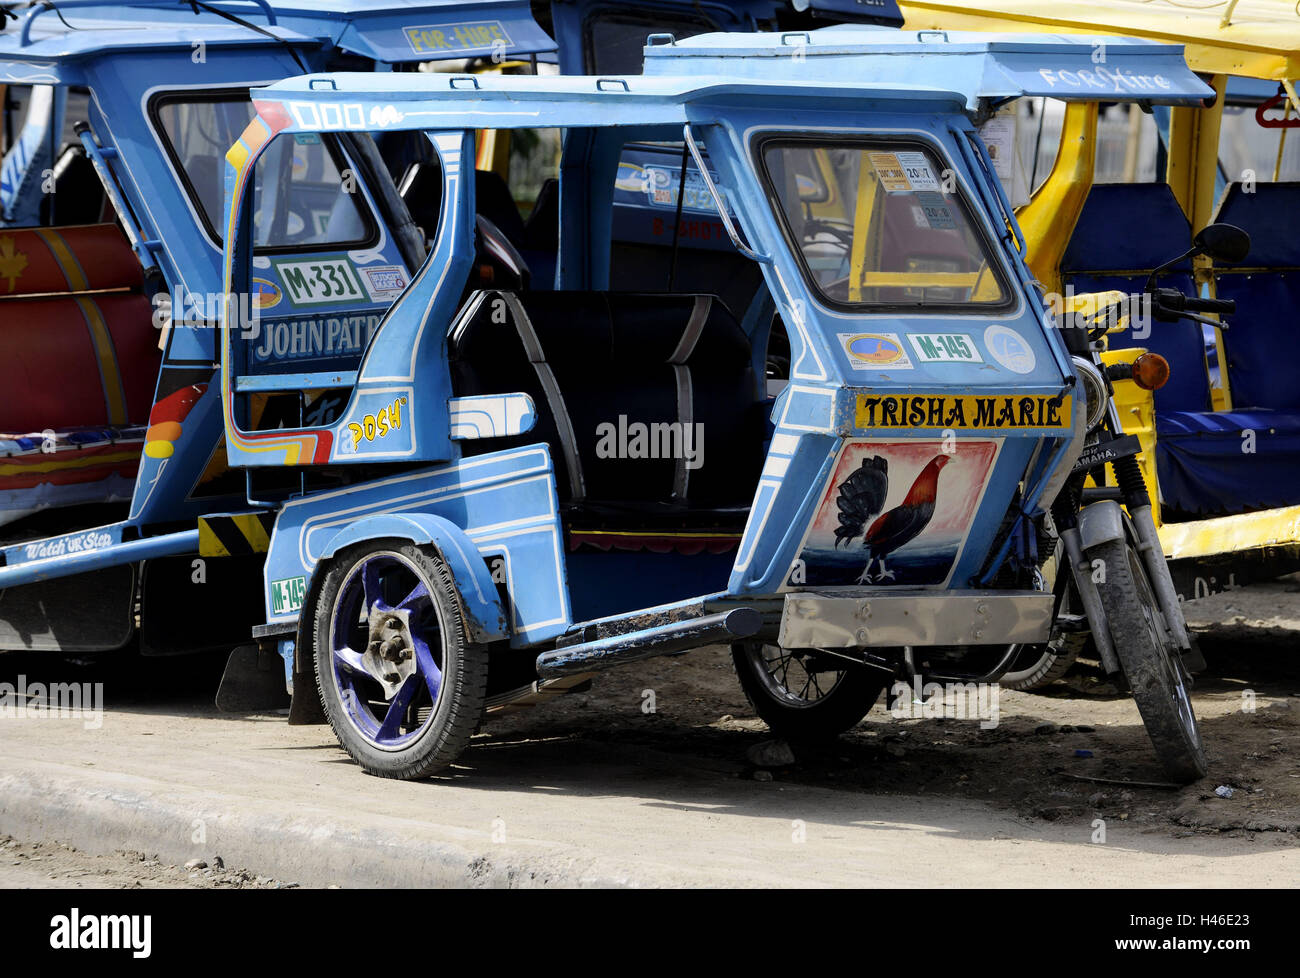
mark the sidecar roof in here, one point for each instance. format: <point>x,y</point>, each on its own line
<point>49,49</point>
<point>979,65</point>
<point>837,67</point>
<point>353,100</point>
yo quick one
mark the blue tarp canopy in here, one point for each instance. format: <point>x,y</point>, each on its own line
<point>979,65</point>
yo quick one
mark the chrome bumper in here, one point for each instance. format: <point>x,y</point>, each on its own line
<point>837,618</point>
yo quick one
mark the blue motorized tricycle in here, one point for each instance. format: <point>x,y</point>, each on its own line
<point>116,120</point>
<point>525,478</point>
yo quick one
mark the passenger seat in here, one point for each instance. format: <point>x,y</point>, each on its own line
<point>599,365</point>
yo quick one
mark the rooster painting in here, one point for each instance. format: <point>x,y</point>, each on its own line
<point>862,495</point>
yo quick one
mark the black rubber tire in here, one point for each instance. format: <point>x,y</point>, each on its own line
<point>1151,663</point>
<point>841,709</point>
<point>460,705</point>
<point>1053,662</point>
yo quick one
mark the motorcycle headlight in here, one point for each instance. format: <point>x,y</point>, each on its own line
<point>1094,389</point>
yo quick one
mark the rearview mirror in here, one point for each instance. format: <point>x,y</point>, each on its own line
<point>1223,242</point>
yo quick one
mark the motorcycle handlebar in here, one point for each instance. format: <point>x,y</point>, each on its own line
<point>1174,301</point>
<point>1210,305</point>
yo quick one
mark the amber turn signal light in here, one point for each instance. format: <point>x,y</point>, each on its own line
<point>1150,371</point>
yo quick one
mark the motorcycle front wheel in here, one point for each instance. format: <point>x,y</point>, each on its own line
<point>1149,659</point>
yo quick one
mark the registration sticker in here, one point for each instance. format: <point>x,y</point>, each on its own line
<point>384,283</point>
<point>287,595</point>
<point>962,411</point>
<point>890,173</point>
<point>1010,349</point>
<point>944,348</point>
<point>934,208</point>
<point>322,281</point>
<point>917,170</point>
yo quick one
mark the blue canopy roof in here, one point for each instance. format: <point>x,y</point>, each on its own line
<point>979,65</point>
<point>353,100</point>
<point>392,31</point>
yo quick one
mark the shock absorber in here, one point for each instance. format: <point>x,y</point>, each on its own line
<point>1133,486</point>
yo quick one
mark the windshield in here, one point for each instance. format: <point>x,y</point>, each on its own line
<point>301,199</point>
<point>882,224</point>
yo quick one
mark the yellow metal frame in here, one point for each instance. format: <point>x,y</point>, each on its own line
<point>1247,38</point>
<point>863,214</point>
<point>1262,39</point>
<point>1048,220</point>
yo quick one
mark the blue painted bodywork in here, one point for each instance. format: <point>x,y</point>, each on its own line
<point>927,93</point>
<point>492,515</point>
<point>128,55</point>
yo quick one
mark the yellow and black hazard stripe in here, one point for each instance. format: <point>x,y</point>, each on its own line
<point>235,535</point>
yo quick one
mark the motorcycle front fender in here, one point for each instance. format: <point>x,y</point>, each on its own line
<point>1100,522</point>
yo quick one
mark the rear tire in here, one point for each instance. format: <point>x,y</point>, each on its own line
<point>1150,660</point>
<point>799,701</point>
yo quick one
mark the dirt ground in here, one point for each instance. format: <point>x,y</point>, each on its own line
<point>53,865</point>
<point>1247,703</point>
<point>597,781</point>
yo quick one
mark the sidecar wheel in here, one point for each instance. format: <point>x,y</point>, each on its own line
<point>1150,660</point>
<point>402,685</point>
<point>799,701</point>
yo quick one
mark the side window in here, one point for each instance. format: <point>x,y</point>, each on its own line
<point>872,226</point>
<point>198,129</point>
<point>305,192</point>
<point>306,196</point>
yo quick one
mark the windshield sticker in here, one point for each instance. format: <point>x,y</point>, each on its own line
<point>890,173</point>
<point>917,170</point>
<point>875,351</point>
<point>313,338</point>
<point>320,281</point>
<point>944,348</point>
<point>384,283</point>
<point>960,411</point>
<point>1010,349</point>
<point>457,37</point>
<point>935,209</point>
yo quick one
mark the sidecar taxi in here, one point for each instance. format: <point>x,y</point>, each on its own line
<point>531,479</point>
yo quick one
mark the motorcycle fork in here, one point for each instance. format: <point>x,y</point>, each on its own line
<point>1067,527</point>
<point>1129,476</point>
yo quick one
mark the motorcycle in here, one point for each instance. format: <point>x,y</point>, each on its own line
<point>1118,578</point>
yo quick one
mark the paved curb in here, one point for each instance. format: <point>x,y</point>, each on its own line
<point>106,812</point>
